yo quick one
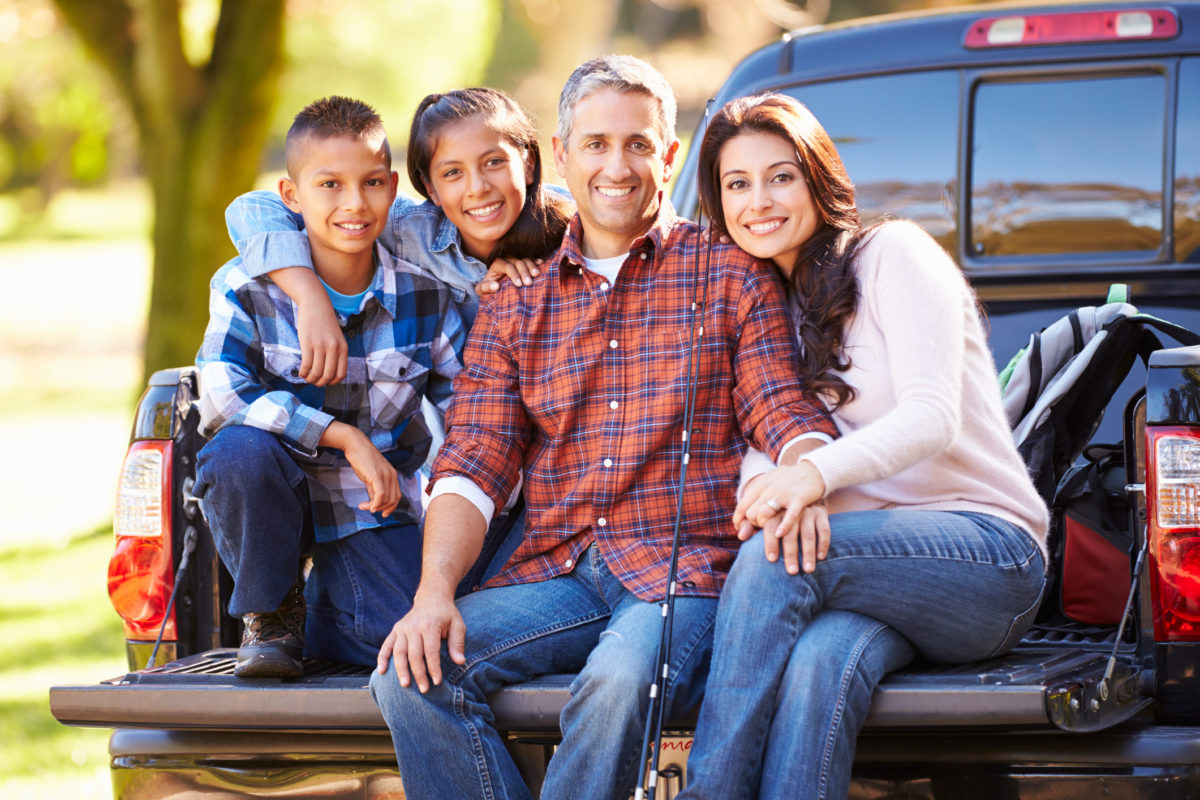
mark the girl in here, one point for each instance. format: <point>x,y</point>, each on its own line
<point>473,155</point>
<point>935,535</point>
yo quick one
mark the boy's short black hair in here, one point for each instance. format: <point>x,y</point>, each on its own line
<point>333,116</point>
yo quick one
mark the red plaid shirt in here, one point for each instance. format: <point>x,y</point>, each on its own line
<point>581,386</point>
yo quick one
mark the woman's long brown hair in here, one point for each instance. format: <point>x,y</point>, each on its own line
<point>822,282</point>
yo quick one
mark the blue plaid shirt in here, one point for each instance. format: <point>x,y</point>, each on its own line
<point>405,343</point>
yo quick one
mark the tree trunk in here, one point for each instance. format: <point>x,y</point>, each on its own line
<point>202,130</point>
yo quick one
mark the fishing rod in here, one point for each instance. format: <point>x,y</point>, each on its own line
<point>652,736</point>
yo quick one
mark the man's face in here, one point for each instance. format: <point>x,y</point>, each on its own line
<point>615,163</point>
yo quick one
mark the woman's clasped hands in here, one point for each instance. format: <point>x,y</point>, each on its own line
<point>786,503</point>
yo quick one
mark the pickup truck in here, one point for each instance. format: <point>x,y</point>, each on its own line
<point>1052,150</point>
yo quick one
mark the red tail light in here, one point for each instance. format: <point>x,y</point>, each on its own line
<point>1073,27</point>
<point>140,576</point>
<point>1173,525</point>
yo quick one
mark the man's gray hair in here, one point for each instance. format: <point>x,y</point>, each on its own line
<point>625,74</point>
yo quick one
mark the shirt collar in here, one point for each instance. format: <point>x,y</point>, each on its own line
<point>446,235</point>
<point>650,242</point>
<point>382,290</point>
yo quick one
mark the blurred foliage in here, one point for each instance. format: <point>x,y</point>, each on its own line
<point>60,123</point>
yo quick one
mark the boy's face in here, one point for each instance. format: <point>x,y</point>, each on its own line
<point>343,190</point>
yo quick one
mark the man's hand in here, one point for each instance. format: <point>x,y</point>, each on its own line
<point>415,642</point>
<point>520,271</point>
<point>379,476</point>
<point>792,490</point>
<point>809,541</point>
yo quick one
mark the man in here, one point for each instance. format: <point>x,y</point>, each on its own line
<point>576,386</point>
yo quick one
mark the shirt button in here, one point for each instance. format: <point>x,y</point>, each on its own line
<point>581,270</point>
<point>602,522</point>
<point>613,405</point>
<point>608,462</point>
<point>568,563</point>
<point>604,286</point>
<point>643,256</point>
<point>613,344</point>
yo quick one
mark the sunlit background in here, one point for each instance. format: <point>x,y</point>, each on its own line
<point>123,135</point>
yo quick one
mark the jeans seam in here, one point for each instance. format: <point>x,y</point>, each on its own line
<point>356,590</point>
<point>481,765</point>
<point>840,708</point>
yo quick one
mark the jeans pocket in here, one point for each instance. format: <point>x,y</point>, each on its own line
<point>1020,623</point>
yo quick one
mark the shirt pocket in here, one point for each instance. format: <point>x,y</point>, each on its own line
<point>282,363</point>
<point>395,383</point>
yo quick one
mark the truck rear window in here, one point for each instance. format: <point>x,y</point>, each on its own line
<point>1187,164</point>
<point>1067,165</point>
<point>898,167</point>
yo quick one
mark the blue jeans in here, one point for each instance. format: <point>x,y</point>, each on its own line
<point>796,658</point>
<point>586,621</point>
<point>255,498</point>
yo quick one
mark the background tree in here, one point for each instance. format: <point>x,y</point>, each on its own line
<point>201,125</point>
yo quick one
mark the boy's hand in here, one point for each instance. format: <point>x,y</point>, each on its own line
<point>383,485</point>
<point>323,349</point>
<point>520,271</point>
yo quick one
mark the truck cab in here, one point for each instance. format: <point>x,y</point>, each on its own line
<point>1053,150</point>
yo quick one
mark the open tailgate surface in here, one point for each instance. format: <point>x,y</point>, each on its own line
<point>1029,687</point>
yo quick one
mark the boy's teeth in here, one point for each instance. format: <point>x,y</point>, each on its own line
<point>614,192</point>
<point>353,226</point>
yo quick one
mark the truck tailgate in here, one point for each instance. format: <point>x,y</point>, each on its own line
<point>1058,687</point>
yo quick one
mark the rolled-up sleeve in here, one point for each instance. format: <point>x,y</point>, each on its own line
<point>488,427</point>
<point>772,406</point>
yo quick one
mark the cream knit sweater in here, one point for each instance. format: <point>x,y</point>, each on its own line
<point>925,429</point>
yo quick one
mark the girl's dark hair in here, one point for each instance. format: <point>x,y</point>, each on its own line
<point>822,281</point>
<point>539,228</point>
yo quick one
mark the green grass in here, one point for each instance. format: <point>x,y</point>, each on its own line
<point>58,628</point>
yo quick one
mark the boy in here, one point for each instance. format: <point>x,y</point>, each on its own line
<point>292,466</point>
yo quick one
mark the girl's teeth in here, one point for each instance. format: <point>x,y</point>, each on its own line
<point>483,212</point>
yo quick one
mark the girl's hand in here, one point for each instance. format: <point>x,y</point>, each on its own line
<point>520,271</point>
<point>783,497</point>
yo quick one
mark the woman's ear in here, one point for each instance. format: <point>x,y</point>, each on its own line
<point>433,195</point>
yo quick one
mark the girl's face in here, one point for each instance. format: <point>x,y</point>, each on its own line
<point>479,180</point>
<point>768,208</point>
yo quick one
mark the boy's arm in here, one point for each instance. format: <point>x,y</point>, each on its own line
<point>379,476</point>
<point>232,362</point>
<point>271,240</point>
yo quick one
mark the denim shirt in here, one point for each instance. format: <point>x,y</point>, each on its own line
<point>270,236</point>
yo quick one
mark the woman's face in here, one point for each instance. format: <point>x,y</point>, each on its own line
<point>768,208</point>
<point>479,180</point>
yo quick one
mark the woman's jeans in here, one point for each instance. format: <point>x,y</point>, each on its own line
<point>797,657</point>
<point>587,622</point>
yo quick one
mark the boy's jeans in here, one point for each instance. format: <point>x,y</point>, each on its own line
<point>255,499</point>
<point>585,621</point>
<point>796,658</point>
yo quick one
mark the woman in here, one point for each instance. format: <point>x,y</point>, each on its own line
<point>935,536</point>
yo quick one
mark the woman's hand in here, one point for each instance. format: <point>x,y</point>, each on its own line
<point>520,271</point>
<point>785,499</point>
